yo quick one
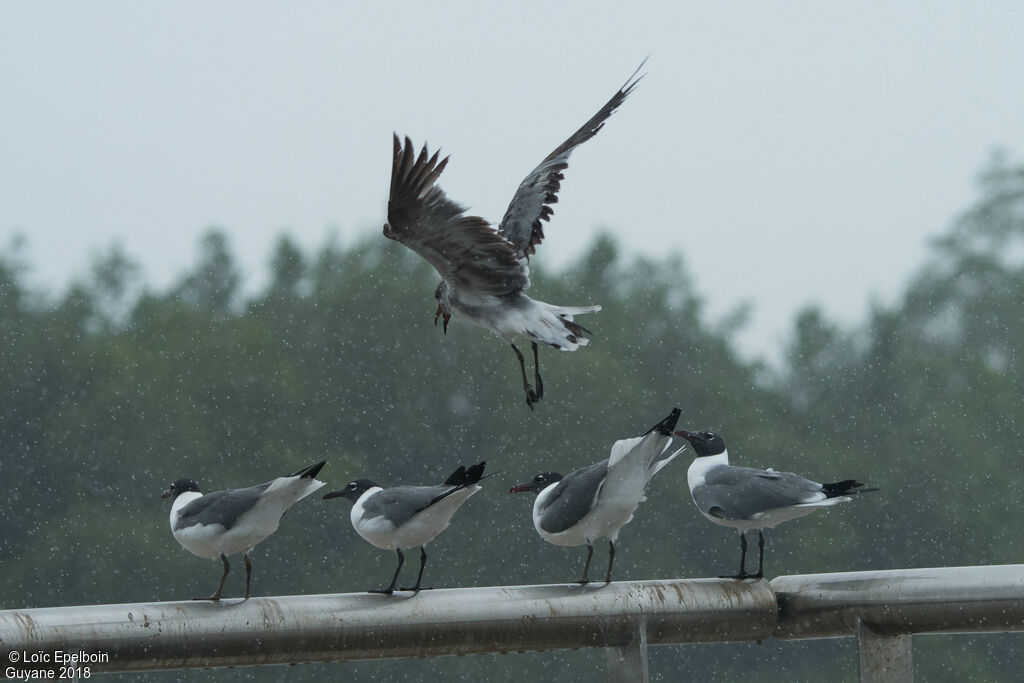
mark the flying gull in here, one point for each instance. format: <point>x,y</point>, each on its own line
<point>597,501</point>
<point>407,516</point>
<point>746,498</point>
<point>223,523</point>
<point>485,272</point>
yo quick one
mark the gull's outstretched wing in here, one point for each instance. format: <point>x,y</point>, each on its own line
<point>523,225</point>
<point>465,250</point>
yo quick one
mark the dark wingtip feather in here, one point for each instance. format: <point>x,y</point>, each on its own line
<point>411,178</point>
<point>666,426</point>
<point>464,476</point>
<point>311,471</point>
<point>847,487</point>
<point>475,473</point>
<point>632,81</point>
<point>456,477</point>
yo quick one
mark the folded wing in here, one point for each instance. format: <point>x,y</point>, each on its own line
<point>573,497</point>
<point>742,492</point>
<point>220,507</point>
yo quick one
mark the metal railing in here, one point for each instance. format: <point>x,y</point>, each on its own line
<point>882,609</point>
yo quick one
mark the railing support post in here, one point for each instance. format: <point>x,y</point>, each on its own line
<point>884,659</point>
<point>628,663</point>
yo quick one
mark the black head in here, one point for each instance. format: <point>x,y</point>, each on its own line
<point>179,487</point>
<point>538,483</point>
<point>704,443</point>
<point>353,490</point>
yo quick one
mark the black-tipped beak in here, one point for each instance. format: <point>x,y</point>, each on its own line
<point>334,494</point>
<point>666,426</point>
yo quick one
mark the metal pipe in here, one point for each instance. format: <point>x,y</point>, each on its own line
<point>621,616</point>
<point>281,630</point>
<point>901,601</point>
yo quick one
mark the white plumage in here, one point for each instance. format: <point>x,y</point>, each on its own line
<point>597,501</point>
<point>223,523</point>
<point>407,516</point>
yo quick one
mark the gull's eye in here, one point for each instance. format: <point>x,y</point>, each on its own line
<point>709,436</point>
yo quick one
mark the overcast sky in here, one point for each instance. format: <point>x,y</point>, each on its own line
<point>792,152</point>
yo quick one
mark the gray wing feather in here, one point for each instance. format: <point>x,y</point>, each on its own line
<point>220,507</point>
<point>742,492</point>
<point>523,224</point>
<point>573,497</point>
<point>399,504</point>
<point>465,250</point>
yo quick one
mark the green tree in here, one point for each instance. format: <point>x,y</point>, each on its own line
<point>112,390</point>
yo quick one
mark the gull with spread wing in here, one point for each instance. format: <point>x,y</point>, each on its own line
<point>597,501</point>
<point>485,272</point>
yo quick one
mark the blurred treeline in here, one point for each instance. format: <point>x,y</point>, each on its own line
<point>112,390</point>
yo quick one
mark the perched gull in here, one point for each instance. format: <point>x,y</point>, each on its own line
<point>746,498</point>
<point>596,501</point>
<point>226,522</point>
<point>407,516</point>
<point>485,272</point>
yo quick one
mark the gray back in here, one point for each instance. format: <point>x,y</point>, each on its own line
<point>573,497</point>
<point>741,492</point>
<point>220,507</point>
<point>399,504</point>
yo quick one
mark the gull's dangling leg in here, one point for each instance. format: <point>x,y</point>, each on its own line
<point>536,372</point>
<point>531,395</point>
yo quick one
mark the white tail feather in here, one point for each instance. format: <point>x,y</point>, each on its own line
<point>550,326</point>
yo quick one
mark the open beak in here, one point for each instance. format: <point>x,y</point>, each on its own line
<point>442,312</point>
